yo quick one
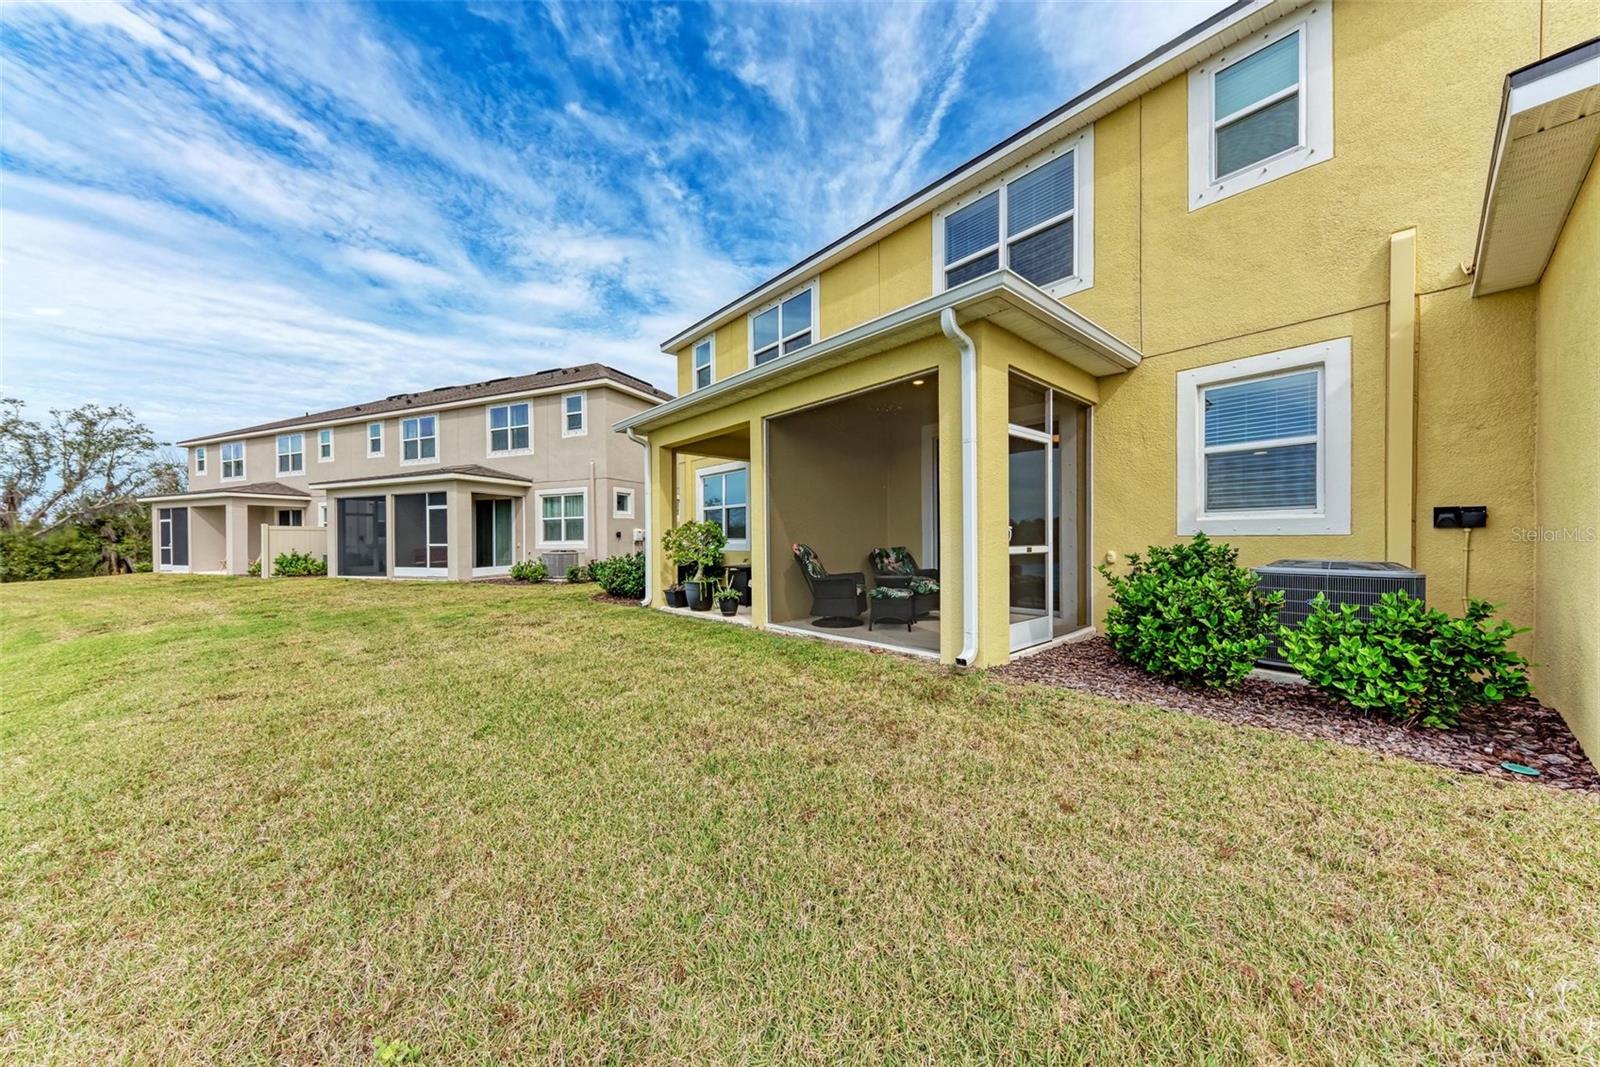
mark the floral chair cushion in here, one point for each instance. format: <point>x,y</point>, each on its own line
<point>809,561</point>
<point>889,592</point>
<point>897,560</point>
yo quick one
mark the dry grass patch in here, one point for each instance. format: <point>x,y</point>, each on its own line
<point>286,821</point>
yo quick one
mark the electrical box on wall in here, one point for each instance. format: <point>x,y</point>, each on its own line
<point>1460,516</point>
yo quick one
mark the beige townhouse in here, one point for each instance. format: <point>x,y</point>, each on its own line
<point>457,482</point>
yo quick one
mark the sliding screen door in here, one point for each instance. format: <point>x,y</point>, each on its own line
<point>363,537</point>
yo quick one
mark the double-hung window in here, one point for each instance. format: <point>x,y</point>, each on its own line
<point>1262,109</point>
<point>508,429</point>
<point>325,445</point>
<point>291,517</point>
<point>232,461</point>
<point>1264,443</point>
<point>374,439</point>
<point>561,518</point>
<point>291,453</point>
<point>783,327</point>
<point>419,440</point>
<point>574,415</point>
<point>1036,221</point>
<point>725,500</point>
<point>200,459</point>
<point>704,353</point>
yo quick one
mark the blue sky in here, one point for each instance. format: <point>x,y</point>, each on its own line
<point>224,213</point>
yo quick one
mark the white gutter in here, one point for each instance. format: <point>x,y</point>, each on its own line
<point>649,553</point>
<point>969,486</point>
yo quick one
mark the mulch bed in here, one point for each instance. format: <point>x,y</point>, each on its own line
<point>1519,731</point>
<point>626,601</point>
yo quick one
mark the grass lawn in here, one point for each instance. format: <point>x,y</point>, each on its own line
<point>297,820</point>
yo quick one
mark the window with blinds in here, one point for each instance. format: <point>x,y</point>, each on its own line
<point>1035,211</point>
<point>1256,107</point>
<point>1261,443</point>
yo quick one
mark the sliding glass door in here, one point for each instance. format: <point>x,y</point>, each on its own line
<point>492,534</point>
<point>1048,513</point>
<point>363,537</point>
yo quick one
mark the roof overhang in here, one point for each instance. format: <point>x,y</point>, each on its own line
<point>1004,298</point>
<point>419,479</point>
<point>222,496</point>
<point>1195,45</point>
<point>1543,147</point>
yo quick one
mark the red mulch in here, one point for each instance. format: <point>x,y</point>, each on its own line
<point>1519,731</point>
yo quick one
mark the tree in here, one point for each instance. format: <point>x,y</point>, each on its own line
<point>83,470</point>
<point>86,462</point>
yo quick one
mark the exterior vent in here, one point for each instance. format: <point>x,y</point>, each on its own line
<point>1344,581</point>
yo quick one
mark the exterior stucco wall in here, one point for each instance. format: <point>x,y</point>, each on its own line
<point>208,540</point>
<point>1567,479</point>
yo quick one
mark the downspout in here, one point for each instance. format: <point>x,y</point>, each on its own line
<point>969,486</point>
<point>649,552</point>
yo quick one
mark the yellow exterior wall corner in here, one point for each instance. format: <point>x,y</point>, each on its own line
<point>1400,455</point>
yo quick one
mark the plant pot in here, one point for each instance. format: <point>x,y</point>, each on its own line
<point>676,597</point>
<point>699,595</point>
<point>729,607</point>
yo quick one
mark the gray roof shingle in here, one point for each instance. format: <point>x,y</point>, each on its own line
<point>587,372</point>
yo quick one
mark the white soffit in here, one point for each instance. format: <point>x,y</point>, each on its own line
<point>1546,141</point>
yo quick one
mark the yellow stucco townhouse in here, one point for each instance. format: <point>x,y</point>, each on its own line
<point>1296,279</point>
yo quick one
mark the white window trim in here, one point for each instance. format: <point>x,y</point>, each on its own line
<point>1333,455</point>
<point>709,340</point>
<point>382,433</point>
<point>420,461</point>
<point>244,461</point>
<point>488,429</point>
<point>329,457</point>
<point>741,544</point>
<point>620,513</point>
<point>322,515</point>
<point>815,285</point>
<point>199,459</point>
<point>1316,109</point>
<point>1080,143</point>
<point>290,511</point>
<point>538,517</point>
<point>582,431</point>
<point>278,454</point>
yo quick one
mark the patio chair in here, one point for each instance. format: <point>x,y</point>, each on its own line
<point>896,568</point>
<point>837,600</point>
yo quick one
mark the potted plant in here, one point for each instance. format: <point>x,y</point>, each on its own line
<point>698,545</point>
<point>676,597</point>
<point>728,599</point>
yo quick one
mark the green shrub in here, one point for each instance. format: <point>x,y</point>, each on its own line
<point>529,570</point>
<point>27,556</point>
<point>1190,613</point>
<point>1407,661</point>
<point>298,565</point>
<point>144,566</point>
<point>577,573</point>
<point>620,576</point>
<point>254,570</point>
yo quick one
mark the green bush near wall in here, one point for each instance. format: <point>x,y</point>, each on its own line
<point>1190,613</point>
<point>620,576</point>
<point>298,565</point>
<point>1408,661</point>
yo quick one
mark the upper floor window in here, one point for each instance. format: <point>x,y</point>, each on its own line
<point>574,414</point>
<point>783,327</point>
<point>324,445</point>
<point>1036,220</point>
<point>374,438</point>
<point>704,353</point>
<point>508,428</point>
<point>291,453</point>
<point>419,440</point>
<point>233,460</point>
<point>1262,109</point>
<point>1264,443</point>
<point>200,459</point>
